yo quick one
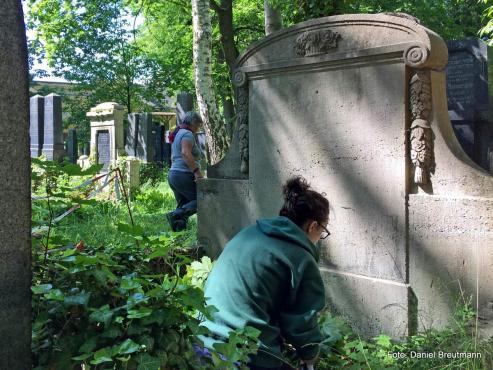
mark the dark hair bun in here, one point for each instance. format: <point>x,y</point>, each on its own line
<point>302,204</point>
<point>294,187</point>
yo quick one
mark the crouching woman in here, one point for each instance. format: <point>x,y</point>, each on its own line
<point>267,277</point>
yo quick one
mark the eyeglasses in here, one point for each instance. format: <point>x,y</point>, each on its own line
<point>325,233</point>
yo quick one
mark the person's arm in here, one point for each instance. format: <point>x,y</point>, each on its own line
<point>186,153</point>
<point>298,319</point>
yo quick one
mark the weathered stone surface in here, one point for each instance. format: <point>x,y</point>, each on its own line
<point>53,147</point>
<point>15,218</point>
<point>184,103</point>
<point>140,140</point>
<point>344,115</point>
<point>36,124</point>
<point>106,118</point>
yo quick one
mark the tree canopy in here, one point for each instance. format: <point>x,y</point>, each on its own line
<point>95,44</point>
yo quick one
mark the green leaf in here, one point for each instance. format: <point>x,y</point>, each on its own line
<point>130,230</point>
<point>55,295</point>
<point>147,362</point>
<point>89,346</point>
<point>80,299</point>
<point>103,315</point>
<point>137,314</point>
<point>383,341</point>
<point>41,289</point>
<point>102,355</point>
<point>128,346</point>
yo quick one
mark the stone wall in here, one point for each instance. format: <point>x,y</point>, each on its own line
<point>356,104</point>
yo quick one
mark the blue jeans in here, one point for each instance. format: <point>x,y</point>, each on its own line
<point>185,191</point>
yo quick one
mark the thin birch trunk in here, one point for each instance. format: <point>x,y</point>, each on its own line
<point>273,19</point>
<point>215,132</point>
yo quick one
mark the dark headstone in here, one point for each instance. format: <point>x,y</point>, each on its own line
<point>72,145</point>
<point>468,100</point>
<point>53,147</point>
<point>15,218</point>
<point>159,131</point>
<point>184,103</point>
<point>103,148</point>
<point>36,124</point>
<point>140,137</point>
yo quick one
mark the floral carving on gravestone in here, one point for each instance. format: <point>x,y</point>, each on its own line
<point>421,134</point>
<point>311,43</point>
<point>240,79</point>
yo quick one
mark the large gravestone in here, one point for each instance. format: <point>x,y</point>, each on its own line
<point>36,124</point>
<point>106,133</point>
<point>15,217</point>
<point>468,99</point>
<point>140,140</point>
<point>357,105</point>
<point>53,147</point>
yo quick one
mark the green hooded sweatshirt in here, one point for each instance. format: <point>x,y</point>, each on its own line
<point>267,277</point>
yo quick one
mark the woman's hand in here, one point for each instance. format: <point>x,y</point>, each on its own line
<point>198,175</point>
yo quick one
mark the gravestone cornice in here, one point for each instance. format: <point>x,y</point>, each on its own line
<point>361,37</point>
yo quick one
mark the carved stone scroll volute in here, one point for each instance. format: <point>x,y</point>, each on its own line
<point>421,135</point>
<point>240,79</point>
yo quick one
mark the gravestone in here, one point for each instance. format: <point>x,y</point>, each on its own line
<point>140,140</point>
<point>72,149</point>
<point>184,104</point>
<point>36,124</point>
<point>103,148</point>
<point>53,147</point>
<point>106,133</point>
<point>357,105</point>
<point>159,144</point>
<point>15,218</point>
<point>468,100</point>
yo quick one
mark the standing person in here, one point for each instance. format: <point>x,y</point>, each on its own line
<point>267,277</point>
<point>185,170</point>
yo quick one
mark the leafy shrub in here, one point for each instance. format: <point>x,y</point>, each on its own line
<point>121,298</point>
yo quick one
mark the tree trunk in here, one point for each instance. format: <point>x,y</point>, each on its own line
<point>273,20</point>
<point>215,132</point>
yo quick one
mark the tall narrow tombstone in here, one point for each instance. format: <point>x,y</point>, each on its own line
<point>72,150</point>
<point>357,105</point>
<point>53,147</point>
<point>36,124</point>
<point>140,137</point>
<point>15,217</point>
<point>159,131</point>
<point>184,103</point>
<point>468,100</point>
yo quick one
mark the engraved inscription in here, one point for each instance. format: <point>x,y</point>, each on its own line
<point>103,143</point>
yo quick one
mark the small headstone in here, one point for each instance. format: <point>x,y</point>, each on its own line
<point>467,95</point>
<point>53,147</point>
<point>72,145</point>
<point>184,103</point>
<point>103,148</point>
<point>36,124</point>
<point>86,150</point>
